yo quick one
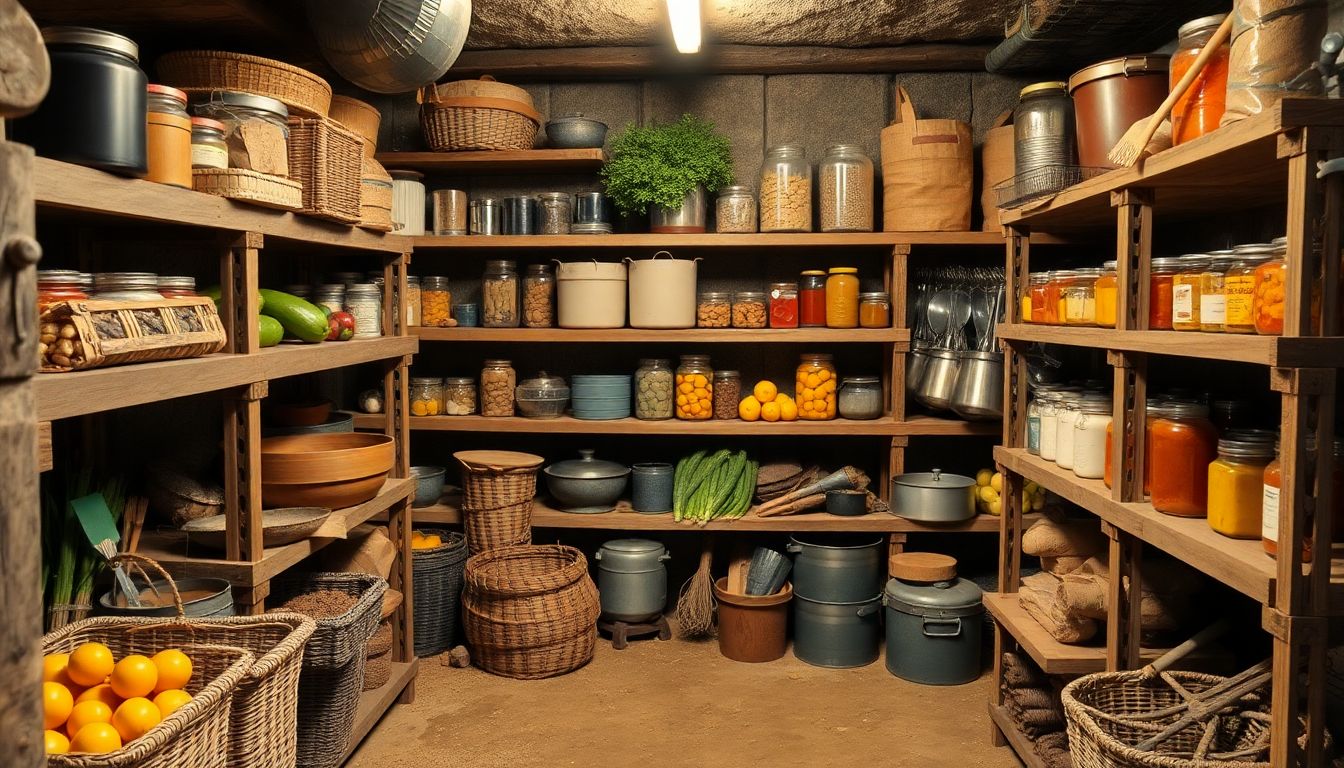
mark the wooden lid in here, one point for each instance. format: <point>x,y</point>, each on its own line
<point>487,87</point>
<point>498,460</point>
<point>923,566</point>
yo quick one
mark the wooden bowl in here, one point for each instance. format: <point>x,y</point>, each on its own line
<point>302,414</point>
<point>337,494</point>
<point>324,458</point>
<point>278,527</point>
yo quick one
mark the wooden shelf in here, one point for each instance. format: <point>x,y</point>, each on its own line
<point>885,426</point>
<point>1052,656</point>
<point>62,395</point>
<point>938,426</point>
<point>716,240</point>
<point>1021,744</point>
<point>170,548</point>
<point>62,186</point>
<point>375,703</point>
<point>1235,167</point>
<point>652,336</point>
<point>516,161</point>
<point>1288,352</point>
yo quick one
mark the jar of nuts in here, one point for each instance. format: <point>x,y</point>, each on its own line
<point>727,394</point>
<point>846,190</point>
<point>749,309</point>
<point>539,296</point>
<point>695,388</point>
<point>786,190</point>
<point>735,210</point>
<point>498,380</point>
<point>426,396</point>
<point>499,294</point>
<point>435,303</point>
<point>713,309</point>
<point>459,396</point>
<point>653,389</point>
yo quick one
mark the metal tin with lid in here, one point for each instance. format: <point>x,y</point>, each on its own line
<point>1043,128</point>
<point>937,496</point>
<point>631,579</point>
<point>933,630</point>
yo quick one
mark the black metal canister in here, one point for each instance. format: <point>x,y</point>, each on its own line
<point>520,215</point>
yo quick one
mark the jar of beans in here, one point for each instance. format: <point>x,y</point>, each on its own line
<point>498,380</point>
<point>539,296</point>
<point>713,309</point>
<point>786,190</point>
<point>499,294</point>
<point>846,190</point>
<point>727,394</point>
<point>653,389</point>
<point>749,309</point>
<point>459,396</point>
<point>435,303</point>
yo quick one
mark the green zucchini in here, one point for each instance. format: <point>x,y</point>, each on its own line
<point>299,317</point>
<point>269,330</point>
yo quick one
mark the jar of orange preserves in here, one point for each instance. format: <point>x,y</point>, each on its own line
<point>695,388</point>
<point>1107,295</point>
<point>815,386</point>
<point>842,298</point>
<point>1161,276</point>
<point>1185,292</point>
<point>1034,311</point>
<point>1199,110</point>
<point>1182,444</point>
<point>56,285</point>
<point>1054,295</point>
<point>1271,291</point>
<point>1152,410</point>
<point>1239,286</point>
<point>1273,483</point>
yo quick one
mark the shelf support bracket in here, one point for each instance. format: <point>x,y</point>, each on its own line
<point>1127,420</point>
<point>1018,243</point>
<point>1299,650</point>
<point>1125,592</point>
<point>242,472</point>
<point>238,280</point>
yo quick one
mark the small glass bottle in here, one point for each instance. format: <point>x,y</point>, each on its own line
<point>786,190</point>
<point>177,287</point>
<point>556,212</point>
<point>365,302</point>
<point>695,388</point>
<point>539,296</point>
<point>727,394</point>
<point>812,299</point>
<point>655,394</point>
<point>842,298</point>
<point>846,189</point>
<point>749,309</point>
<point>815,387</point>
<point>126,286</point>
<point>784,305</point>
<point>1185,294</point>
<point>498,380</point>
<point>208,148</point>
<point>1107,292</point>
<point>874,310</point>
<point>499,294</point>
<point>735,210</point>
<point>459,396</point>
<point>713,309</point>
<point>56,285</point>
<point>426,396</point>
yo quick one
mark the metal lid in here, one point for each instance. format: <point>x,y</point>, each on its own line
<point>1185,410</point>
<point>501,265</point>
<point>749,296</point>
<point>1220,265</point>
<point>205,122</point>
<point>167,90</point>
<point>714,296</point>
<point>403,175</point>
<point>1124,66</point>
<point>544,387</point>
<point>459,381</point>
<point>634,546</point>
<point>1049,85</point>
<point>725,375</point>
<point>859,380</point>
<point>59,276</point>
<point>1109,266</point>
<point>654,362</point>
<point>1200,24</point>
<point>1166,263</point>
<point>935,479</point>
<point>844,271</point>
<point>177,281</point>
<point>734,189</point>
<point>942,599</point>
<point>496,363</point>
<point>94,38</point>
<point>362,288</point>
<point>783,287</point>
<point>1235,447</point>
<point>424,381</point>
<point>575,117</point>
<point>539,269</point>
<point>123,280</point>
<point>874,296</point>
<point>565,196</point>
<point>587,467</point>
<point>223,100</point>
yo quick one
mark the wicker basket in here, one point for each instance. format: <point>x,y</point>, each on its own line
<point>437,592</point>
<point>204,71</point>
<point>381,642</point>
<point>497,492</point>
<point>375,196</point>
<point>377,671</point>
<point>251,187</point>
<point>361,117</point>
<point>327,160</point>
<point>477,114</point>
<point>333,664</point>
<point>195,735</point>
<point>119,332</point>
<point>530,611</point>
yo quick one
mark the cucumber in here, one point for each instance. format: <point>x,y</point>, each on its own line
<point>269,330</point>
<point>299,317</point>
<point>215,293</point>
<point>732,473</point>
<point>680,479</point>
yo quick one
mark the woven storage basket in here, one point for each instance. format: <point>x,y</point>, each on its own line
<point>328,161</point>
<point>333,664</point>
<point>497,492</point>
<point>530,611</point>
<point>375,196</point>
<point>381,642</point>
<point>118,332</point>
<point>437,592</point>
<point>203,71</point>
<point>377,671</point>
<point>252,187</point>
<point>361,117</point>
<point>477,114</point>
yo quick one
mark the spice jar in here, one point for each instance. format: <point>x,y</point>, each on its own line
<point>176,287</point>
<point>459,396</point>
<point>426,396</point>
<point>1161,279</point>
<point>727,394</point>
<point>814,387</point>
<point>1090,437</point>
<point>497,383</point>
<point>842,298</point>
<point>168,136</point>
<point>256,129</point>
<point>812,299</point>
<point>365,302</point>
<point>56,285</point>
<point>1239,286</point>
<point>1079,295</point>
<point>713,309</point>
<point>499,294</point>
<point>860,397</point>
<point>126,286</point>
<point>1199,110</point>
<point>450,212</point>
<point>1271,291</point>
<point>1106,291</point>
<point>653,389</point>
<point>786,190</point>
<point>1236,485</point>
<point>1033,310</point>
<point>846,189</point>
<point>435,302</point>
<point>695,388</point>
<point>208,149</point>
<point>735,210</point>
<point>874,310</point>
<point>749,309</point>
<point>1273,484</point>
<point>330,297</point>
<point>1183,444</point>
<point>539,296</point>
<point>555,212</point>
<point>784,305</point>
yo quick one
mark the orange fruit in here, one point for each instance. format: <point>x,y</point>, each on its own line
<point>103,693</point>
<point>56,704</point>
<point>55,743</point>
<point>86,713</point>
<point>749,409</point>
<point>90,664</point>
<point>134,676</point>
<point>135,717</point>
<point>96,738</point>
<point>53,668</point>
<point>770,411</point>
<point>765,391</point>
<point>788,410</point>
<point>170,701</point>
<point>174,668</point>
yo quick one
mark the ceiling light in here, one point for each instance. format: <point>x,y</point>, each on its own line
<point>685,18</point>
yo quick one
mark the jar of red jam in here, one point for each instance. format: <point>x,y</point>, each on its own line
<point>177,287</point>
<point>783,305</point>
<point>56,285</point>
<point>812,299</point>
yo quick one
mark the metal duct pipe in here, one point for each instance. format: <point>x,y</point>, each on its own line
<point>390,46</point>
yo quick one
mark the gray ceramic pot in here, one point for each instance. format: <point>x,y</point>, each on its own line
<point>651,488</point>
<point>838,635</point>
<point>631,579</point>
<point>838,569</point>
<point>586,485</point>
<point>574,131</point>
<point>428,485</point>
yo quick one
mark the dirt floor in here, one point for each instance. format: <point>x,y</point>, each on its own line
<point>681,704</point>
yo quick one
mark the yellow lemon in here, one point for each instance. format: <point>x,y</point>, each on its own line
<point>169,702</point>
<point>86,713</point>
<point>90,664</point>
<point>982,477</point>
<point>987,494</point>
<point>174,668</point>
<point>134,676</point>
<point>96,738</point>
<point>996,481</point>
<point>135,717</point>
<point>55,743</point>
<point>788,410</point>
<point>765,391</point>
<point>56,704</point>
<point>770,411</point>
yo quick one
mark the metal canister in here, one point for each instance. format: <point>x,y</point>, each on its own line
<point>487,216</point>
<point>520,216</point>
<point>591,208</point>
<point>1043,130</point>
<point>631,579</point>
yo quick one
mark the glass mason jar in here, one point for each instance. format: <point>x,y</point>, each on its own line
<point>126,286</point>
<point>874,310</point>
<point>735,210</point>
<point>436,302</point>
<point>695,388</point>
<point>842,298</point>
<point>815,387</point>
<point>1239,286</point>
<point>365,302</point>
<point>459,396</point>
<point>168,136</point>
<point>1183,444</point>
<point>499,294</point>
<point>330,297</point>
<point>556,212</point>
<point>411,305</point>
<point>727,394</point>
<point>1212,299</point>
<point>1273,484</point>
<point>1034,310</point>
<point>56,285</point>
<point>1051,408</point>
<point>426,396</point>
<point>784,305</point>
<point>1236,485</point>
<point>655,394</point>
<point>1161,284</point>
<point>786,190</point>
<point>177,287</point>
<point>1041,395</point>
<point>1185,294</point>
<point>1199,110</point>
<point>539,296</point>
<point>749,309</point>
<point>1066,418</point>
<point>846,189</point>
<point>498,380</point>
<point>1267,305</point>
<point>713,309</point>
<point>1079,296</point>
<point>208,149</point>
<point>1091,429</point>
<point>1054,295</point>
<point>812,299</point>
<point>1106,290</point>
<point>860,398</point>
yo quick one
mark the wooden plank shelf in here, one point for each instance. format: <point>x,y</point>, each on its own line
<point>516,161</point>
<point>170,548</point>
<point>74,188</point>
<point>716,240</point>
<point>375,703</point>
<point>62,395</point>
<point>1280,351</point>
<point>884,426</point>
<point>1021,744</point>
<point>899,336</point>
<point>1052,656</point>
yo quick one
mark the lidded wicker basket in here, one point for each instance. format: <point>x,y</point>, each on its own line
<point>497,492</point>
<point>359,116</point>
<point>477,114</point>
<point>204,71</point>
<point>375,196</point>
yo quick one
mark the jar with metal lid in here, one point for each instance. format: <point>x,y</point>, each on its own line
<point>94,111</point>
<point>1107,293</point>
<point>1185,295</point>
<point>654,389</point>
<point>1183,443</point>
<point>1066,419</point>
<point>846,189</point>
<point>735,210</point>
<point>815,387</point>
<point>1200,109</point>
<point>487,216</point>
<point>177,287</point>
<point>1054,295</point>
<point>1079,295</point>
<point>539,296</point>
<point>860,397</point>
<point>1239,286</point>
<point>812,299</point>
<point>1236,484</point>
<point>126,286</point>
<point>436,301</point>
<point>426,396</point>
<point>1212,299</point>
<point>1033,310</point>
<point>1041,395</point>
<point>1090,437</point>
<point>56,285</point>
<point>330,297</point>
<point>842,298</point>
<point>1273,484</point>
<point>256,129</point>
<point>498,381</point>
<point>1051,408</point>
<point>459,396</point>
<point>555,213</point>
<point>411,305</point>
<point>631,577</point>
<point>695,388</point>
<point>208,149</point>
<point>749,309</point>
<point>1161,285</point>
<point>499,294</point>
<point>450,212</point>
<point>1271,293</point>
<point>727,394</point>
<point>783,305</point>
<point>168,136</point>
<point>1043,128</point>
<point>364,301</point>
<point>874,310</point>
<point>713,309</point>
<point>786,190</point>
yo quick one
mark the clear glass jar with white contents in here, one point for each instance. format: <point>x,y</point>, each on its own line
<point>1066,415</point>
<point>365,302</point>
<point>1042,395</point>
<point>1089,437</point>
<point>1051,407</point>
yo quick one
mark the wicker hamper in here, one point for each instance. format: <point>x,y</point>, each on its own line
<point>204,71</point>
<point>375,196</point>
<point>497,492</point>
<point>328,160</point>
<point>477,114</point>
<point>437,580</point>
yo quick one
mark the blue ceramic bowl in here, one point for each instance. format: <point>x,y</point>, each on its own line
<point>428,485</point>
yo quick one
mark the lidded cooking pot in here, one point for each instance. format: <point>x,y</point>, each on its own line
<point>933,620</point>
<point>586,485</point>
<point>933,497</point>
<point>631,579</point>
<point>837,568</point>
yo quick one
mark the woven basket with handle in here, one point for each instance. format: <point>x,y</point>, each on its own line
<point>477,114</point>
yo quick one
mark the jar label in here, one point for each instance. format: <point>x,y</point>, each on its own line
<point>1034,434</point>
<point>1238,293</point>
<point>207,156</point>
<point>1269,514</point>
<point>1183,304</point>
<point>1212,309</point>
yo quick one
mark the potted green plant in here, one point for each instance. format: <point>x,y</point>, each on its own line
<point>666,171</point>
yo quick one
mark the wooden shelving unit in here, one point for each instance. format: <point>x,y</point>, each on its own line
<point>714,240</point>
<point>1266,160</point>
<point>496,161</point>
<point>898,336</point>
<point>630,426</point>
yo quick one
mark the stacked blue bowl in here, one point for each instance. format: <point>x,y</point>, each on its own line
<point>600,397</point>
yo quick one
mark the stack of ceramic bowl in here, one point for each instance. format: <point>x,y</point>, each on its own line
<point>600,396</point>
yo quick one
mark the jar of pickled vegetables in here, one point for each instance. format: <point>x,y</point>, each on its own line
<point>426,396</point>
<point>783,305</point>
<point>56,285</point>
<point>812,299</point>
<point>874,310</point>
<point>1185,292</point>
<point>1239,286</point>
<point>1079,296</point>
<point>695,388</point>
<point>814,387</point>
<point>1054,298</point>
<point>842,298</point>
<point>1267,305</point>
<point>1107,295</point>
<point>1183,443</point>
<point>1212,300</point>
<point>1236,486</point>
<point>1161,276</point>
<point>1034,310</point>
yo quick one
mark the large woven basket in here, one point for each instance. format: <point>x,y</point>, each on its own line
<point>359,116</point>
<point>118,332</point>
<point>333,665</point>
<point>530,611</point>
<point>497,492</point>
<point>203,71</point>
<point>251,187</point>
<point>437,592</point>
<point>477,114</point>
<point>375,196</point>
<point>327,159</point>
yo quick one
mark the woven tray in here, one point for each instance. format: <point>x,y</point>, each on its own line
<point>327,159</point>
<point>251,187</point>
<point>203,71</point>
<point>117,332</point>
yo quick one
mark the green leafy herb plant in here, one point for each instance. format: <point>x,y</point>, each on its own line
<point>660,165</point>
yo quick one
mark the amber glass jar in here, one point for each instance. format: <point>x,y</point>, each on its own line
<point>875,310</point>
<point>812,299</point>
<point>1271,291</point>
<point>1273,482</point>
<point>1199,110</point>
<point>1183,443</point>
<point>1236,483</point>
<point>1033,310</point>
<point>1107,295</point>
<point>1054,299</point>
<point>842,298</point>
<point>1212,299</point>
<point>1185,292</point>
<point>1239,286</point>
<point>815,386</point>
<point>1161,275</point>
